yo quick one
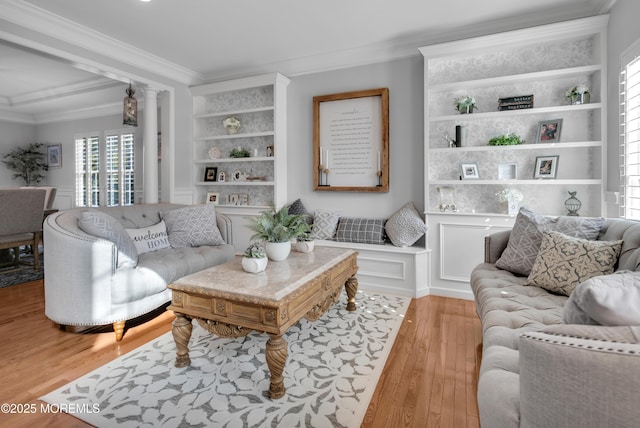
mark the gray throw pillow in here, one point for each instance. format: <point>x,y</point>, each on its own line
<point>193,226</point>
<point>298,208</point>
<point>325,224</point>
<point>104,226</point>
<point>361,230</point>
<point>611,300</point>
<point>405,226</point>
<point>564,262</point>
<point>526,236</point>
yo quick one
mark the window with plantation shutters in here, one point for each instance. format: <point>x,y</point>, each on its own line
<point>630,133</point>
<point>105,172</point>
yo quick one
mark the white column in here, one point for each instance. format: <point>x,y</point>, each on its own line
<point>150,146</point>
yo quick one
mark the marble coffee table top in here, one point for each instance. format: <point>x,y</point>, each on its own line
<point>274,283</point>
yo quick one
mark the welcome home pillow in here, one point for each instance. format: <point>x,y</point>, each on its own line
<point>150,238</point>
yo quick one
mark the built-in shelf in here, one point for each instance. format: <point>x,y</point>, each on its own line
<point>513,113</point>
<point>234,136</point>
<point>235,183</point>
<point>541,146</point>
<point>233,112</point>
<point>229,160</point>
<point>545,182</point>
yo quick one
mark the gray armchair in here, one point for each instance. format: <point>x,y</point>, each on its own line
<point>21,213</point>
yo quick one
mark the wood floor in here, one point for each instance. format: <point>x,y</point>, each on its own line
<point>429,379</point>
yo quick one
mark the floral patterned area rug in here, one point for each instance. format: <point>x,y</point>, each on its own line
<point>331,373</point>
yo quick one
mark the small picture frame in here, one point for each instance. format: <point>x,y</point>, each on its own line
<point>54,155</point>
<point>213,198</point>
<point>469,171</point>
<point>210,173</point>
<point>546,167</point>
<point>507,171</point>
<point>549,131</point>
<point>222,177</point>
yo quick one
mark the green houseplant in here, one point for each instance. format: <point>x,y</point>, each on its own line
<point>277,228</point>
<point>255,258</point>
<point>27,163</point>
<point>305,243</point>
<point>465,104</point>
<point>509,139</point>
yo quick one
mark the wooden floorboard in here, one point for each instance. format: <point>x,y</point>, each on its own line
<point>429,379</point>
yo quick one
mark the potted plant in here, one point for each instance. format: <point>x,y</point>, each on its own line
<point>305,243</point>
<point>578,94</point>
<point>27,163</point>
<point>510,139</point>
<point>465,104</point>
<point>231,124</point>
<point>255,258</point>
<point>277,228</point>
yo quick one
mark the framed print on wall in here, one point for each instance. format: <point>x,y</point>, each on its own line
<point>54,155</point>
<point>549,131</point>
<point>469,171</point>
<point>351,141</point>
<point>546,167</point>
<point>213,198</point>
<point>210,173</point>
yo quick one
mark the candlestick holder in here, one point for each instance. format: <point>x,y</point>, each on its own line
<point>326,176</point>
<point>322,171</point>
<point>379,174</point>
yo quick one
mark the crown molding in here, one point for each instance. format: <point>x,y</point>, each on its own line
<point>63,91</point>
<point>11,116</point>
<point>39,20</point>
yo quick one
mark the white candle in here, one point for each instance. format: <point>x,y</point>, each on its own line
<point>379,162</point>
<point>327,160</point>
<point>320,155</point>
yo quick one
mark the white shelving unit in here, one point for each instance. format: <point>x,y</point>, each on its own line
<point>260,103</point>
<point>544,61</point>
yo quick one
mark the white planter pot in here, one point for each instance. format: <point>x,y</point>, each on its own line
<point>305,246</point>
<point>278,251</point>
<point>513,207</point>
<point>253,265</point>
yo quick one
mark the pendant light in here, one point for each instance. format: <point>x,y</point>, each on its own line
<point>130,108</point>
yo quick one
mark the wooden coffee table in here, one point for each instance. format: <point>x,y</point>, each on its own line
<point>229,302</point>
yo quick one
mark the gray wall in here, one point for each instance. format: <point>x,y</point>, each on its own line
<point>404,79</point>
<point>623,32</point>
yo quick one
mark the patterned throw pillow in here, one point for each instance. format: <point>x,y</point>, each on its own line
<point>193,226</point>
<point>564,262</point>
<point>362,230</point>
<point>150,238</point>
<point>325,224</point>
<point>297,208</point>
<point>102,225</point>
<point>526,236</point>
<point>405,226</point>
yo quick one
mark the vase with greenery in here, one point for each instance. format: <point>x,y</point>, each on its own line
<point>27,163</point>
<point>509,139</point>
<point>578,94</point>
<point>465,104</point>
<point>277,228</point>
<point>512,197</point>
<point>305,243</point>
<point>255,258</point>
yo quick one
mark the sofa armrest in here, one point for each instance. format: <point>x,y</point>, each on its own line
<point>495,244</point>
<point>224,225</point>
<point>580,379</point>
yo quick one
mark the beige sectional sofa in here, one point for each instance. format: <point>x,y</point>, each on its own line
<point>96,274</point>
<point>545,361</point>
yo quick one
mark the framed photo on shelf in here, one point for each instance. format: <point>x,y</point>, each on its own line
<point>549,131</point>
<point>546,167</point>
<point>210,173</point>
<point>469,171</point>
<point>507,171</point>
<point>54,155</point>
<point>213,198</point>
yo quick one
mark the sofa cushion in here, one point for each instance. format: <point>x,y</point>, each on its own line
<point>103,225</point>
<point>564,262</point>
<point>193,226</point>
<point>325,224</point>
<point>526,236</point>
<point>361,230</point>
<point>298,208</point>
<point>150,238</point>
<point>611,300</point>
<point>405,226</point>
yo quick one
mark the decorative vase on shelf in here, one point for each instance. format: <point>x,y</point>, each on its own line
<point>231,125</point>
<point>578,94</point>
<point>513,205</point>
<point>573,204</point>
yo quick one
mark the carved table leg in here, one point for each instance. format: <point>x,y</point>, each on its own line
<point>351,286</point>
<point>181,334</point>
<point>276,354</point>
